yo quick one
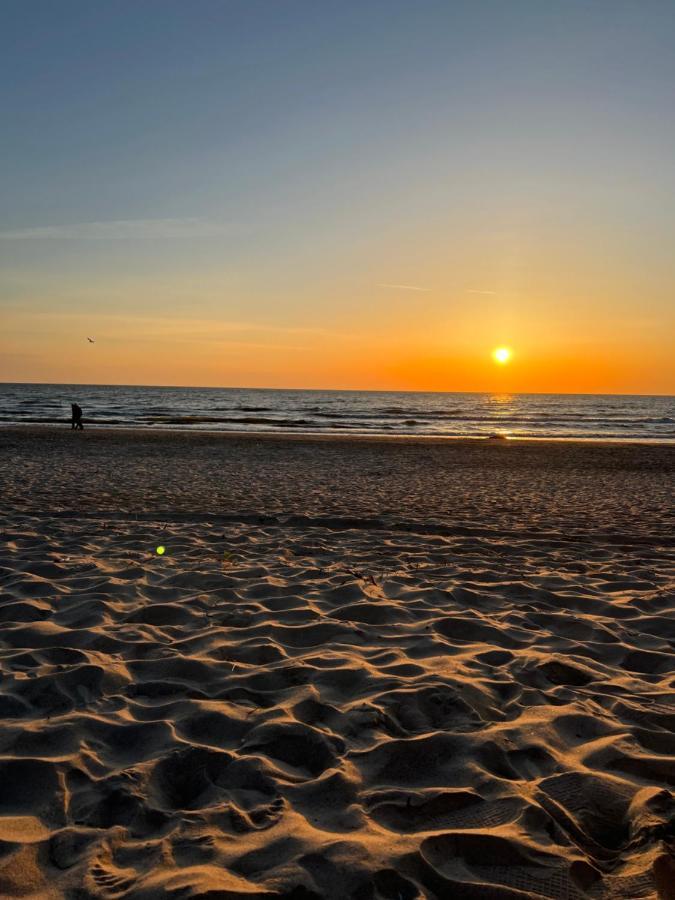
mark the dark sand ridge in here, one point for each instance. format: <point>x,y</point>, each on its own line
<point>424,669</point>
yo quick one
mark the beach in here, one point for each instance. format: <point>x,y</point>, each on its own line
<point>335,667</point>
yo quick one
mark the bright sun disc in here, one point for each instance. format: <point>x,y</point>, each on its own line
<point>501,355</point>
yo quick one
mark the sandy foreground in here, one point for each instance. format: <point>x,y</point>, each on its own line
<point>378,670</point>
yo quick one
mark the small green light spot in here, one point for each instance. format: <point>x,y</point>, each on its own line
<point>161,550</point>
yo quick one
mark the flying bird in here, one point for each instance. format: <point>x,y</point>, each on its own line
<point>91,340</point>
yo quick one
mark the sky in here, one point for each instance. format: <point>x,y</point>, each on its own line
<point>353,195</point>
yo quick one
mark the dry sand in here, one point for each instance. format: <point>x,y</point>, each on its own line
<point>361,669</point>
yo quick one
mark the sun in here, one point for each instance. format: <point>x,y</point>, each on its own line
<point>502,355</point>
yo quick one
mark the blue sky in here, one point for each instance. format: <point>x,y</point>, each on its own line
<point>277,163</point>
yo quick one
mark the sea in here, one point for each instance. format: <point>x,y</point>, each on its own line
<point>558,416</point>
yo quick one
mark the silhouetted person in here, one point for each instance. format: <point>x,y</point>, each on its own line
<point>76,417</point>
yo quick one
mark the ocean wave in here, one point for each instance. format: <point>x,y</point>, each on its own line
<point>224,420</point>
<point>451,415</point>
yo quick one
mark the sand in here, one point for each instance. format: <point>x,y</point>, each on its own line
<point>361,669</point>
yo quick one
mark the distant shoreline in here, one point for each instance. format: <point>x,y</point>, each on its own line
<point>333,437</point>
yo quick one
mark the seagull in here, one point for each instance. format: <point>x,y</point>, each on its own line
<point>91,340</point>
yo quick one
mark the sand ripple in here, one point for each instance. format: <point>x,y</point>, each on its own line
<point>295,710</point>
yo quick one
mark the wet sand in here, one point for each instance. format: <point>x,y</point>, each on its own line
<point>361,668</point>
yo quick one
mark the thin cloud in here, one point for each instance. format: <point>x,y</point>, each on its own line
<point>127,229</point>
<point>405,287</point>
<point>121,328</point>
<point>490,293</point>
<point>249,345</point>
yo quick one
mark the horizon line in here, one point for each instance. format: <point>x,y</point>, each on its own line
<point>203,387</point>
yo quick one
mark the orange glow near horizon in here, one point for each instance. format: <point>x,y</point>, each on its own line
<point>392,343</point>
